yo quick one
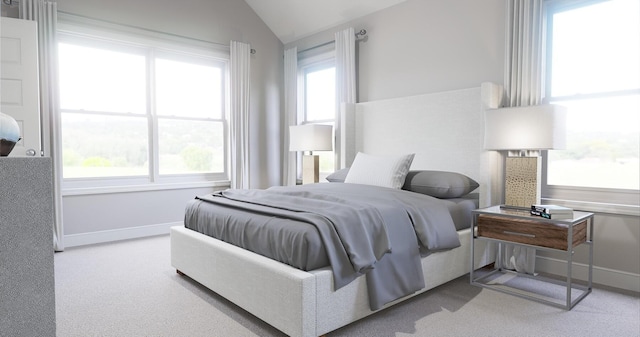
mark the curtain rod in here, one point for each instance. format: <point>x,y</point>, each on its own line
<point>359,34</point>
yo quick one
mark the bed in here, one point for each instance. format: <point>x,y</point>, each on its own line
<point>307,302</point>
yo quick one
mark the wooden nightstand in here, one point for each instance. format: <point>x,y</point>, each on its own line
<point>519,227</point>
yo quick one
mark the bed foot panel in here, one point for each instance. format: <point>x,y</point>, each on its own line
<point>280,295</point>
<point>350,303</point>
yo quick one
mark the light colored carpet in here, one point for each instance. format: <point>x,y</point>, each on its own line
<point>128,288</point>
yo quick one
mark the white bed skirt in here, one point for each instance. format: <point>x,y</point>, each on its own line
<point>296,302</point>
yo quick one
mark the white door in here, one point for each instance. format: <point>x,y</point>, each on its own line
<point>19,82</point>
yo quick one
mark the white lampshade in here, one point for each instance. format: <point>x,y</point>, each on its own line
<point>310,137</point>
<point>539,127</point>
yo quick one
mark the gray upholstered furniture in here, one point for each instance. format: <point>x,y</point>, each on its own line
<point>27,294</point>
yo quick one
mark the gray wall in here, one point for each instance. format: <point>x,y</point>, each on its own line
<point>89,213</point>
<point>422,46</point>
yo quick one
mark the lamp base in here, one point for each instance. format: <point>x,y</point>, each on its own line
<point>522,181</point>
<point>310,169</point>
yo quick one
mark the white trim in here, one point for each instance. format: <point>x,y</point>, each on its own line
<point>596,207</point>
<point>82,239</point>
<point>605,276</point>
<point>144,188</point>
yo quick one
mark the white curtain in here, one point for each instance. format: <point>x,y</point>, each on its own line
<point>523,79</point>
<point>290,113</point>
<point>345,83</point>
<point>525,52</point>
<point>239,119</point>
<point>45,14</point>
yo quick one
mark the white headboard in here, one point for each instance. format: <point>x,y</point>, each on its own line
<point>445,130</point>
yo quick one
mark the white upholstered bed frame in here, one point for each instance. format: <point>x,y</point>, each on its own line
<point>444,130</point>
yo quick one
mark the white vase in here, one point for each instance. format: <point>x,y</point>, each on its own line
<point>9,129</point>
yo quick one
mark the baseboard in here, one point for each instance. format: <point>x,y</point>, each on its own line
<point>82,239</point>
<point>608,277</point>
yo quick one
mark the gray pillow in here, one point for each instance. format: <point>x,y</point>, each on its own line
<point>338,176</point>
<point>439,184</point>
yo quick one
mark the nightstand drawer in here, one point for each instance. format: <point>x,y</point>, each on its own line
<point>531,232</point>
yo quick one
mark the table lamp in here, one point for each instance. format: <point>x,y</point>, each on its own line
<point>524,132</point>
<point>310,137</point>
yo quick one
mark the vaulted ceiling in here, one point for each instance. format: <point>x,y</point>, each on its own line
<point>291,20</point>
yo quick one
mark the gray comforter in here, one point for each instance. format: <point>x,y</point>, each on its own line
<point>368,230</point>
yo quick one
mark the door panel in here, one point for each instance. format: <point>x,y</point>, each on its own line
<point>19,96</point>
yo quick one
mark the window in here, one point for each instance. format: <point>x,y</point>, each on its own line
<point>593,70</point>
<point>138,111</point>
<point>318,103</point>
<point>190,109</point>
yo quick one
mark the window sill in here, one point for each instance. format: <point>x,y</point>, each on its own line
<point>143,188</point>
<point>596,207</point>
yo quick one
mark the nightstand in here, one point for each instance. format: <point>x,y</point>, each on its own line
<point>519,227</point>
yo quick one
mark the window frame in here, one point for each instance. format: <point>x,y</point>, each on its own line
<point>314,60</point>
<point>150,44</point>
<point>603,200</point>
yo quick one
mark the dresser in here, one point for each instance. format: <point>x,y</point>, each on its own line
<point>27,292</point>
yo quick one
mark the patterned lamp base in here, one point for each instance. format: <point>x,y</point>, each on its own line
<point>522,181</point>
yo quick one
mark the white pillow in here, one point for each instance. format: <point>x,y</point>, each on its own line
<point>385,171</point>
